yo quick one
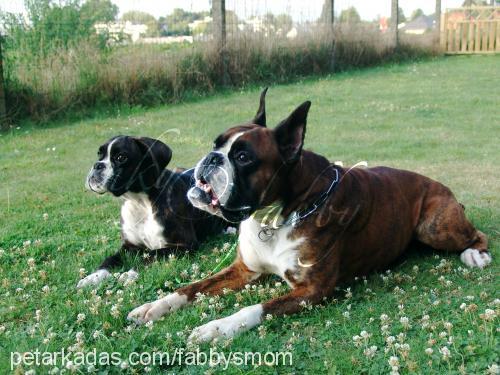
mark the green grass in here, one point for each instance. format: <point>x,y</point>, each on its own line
<point>440,118</point>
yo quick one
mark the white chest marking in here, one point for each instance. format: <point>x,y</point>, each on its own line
<point>139,225</point>
<point>276,255</point>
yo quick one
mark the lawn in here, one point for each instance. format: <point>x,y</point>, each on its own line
<point>439,117</point>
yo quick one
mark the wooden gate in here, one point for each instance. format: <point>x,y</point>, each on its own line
<point>469,30</point>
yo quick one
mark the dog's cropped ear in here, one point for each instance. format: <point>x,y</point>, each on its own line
<point>260,116</point>
<point>157,151</point>
<point>289,133</point>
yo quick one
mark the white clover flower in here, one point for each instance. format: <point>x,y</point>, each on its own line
<point>346,314</point>
<point>384,329</point>
<point>390,340</point>
<point>493,369</point>
<point>348,293</point>
<point>149,324</point>
<point>445,352</point>
<point>489,314</point>
<point>115,311</point>
<point>405,322</point>
<point>80,318</point>
<point>463,306</point>
<point>96,334</point>
<point>357,340</point>
<point>384,318</point>
<point>365,335</point>
<point>429,351</point>
<point>31,262</point>
<point>393,361</point>
<point>328,323</point>
<point>370,352</point>
<point>448,325</point>
<point>443,334</point>
<point>46,289</point>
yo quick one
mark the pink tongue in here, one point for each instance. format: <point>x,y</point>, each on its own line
<point>215,201</point>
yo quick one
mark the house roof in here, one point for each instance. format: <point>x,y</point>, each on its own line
<point>421,22</point>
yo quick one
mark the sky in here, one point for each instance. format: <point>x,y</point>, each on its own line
<point>300,10</point>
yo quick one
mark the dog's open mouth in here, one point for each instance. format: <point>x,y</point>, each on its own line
<point>210,195</point>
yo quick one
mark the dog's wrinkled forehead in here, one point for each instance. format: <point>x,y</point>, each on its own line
<point>117,145</point>
<point>222,140</point>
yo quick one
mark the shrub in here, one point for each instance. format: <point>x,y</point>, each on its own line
<point>81,78</point>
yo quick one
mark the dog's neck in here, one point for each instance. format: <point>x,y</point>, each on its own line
<point>153,191</point>
<point>305,181</point>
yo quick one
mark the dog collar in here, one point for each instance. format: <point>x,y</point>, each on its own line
<point>296,217</point>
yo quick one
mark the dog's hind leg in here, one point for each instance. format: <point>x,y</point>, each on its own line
<point>443,226</point>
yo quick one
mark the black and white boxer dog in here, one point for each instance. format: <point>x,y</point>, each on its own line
<point>312,223</point>
<point>156,216</point>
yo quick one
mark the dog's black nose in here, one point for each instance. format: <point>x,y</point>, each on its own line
<point>98,166</point>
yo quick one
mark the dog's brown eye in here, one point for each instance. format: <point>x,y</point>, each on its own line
<point>242,157</point>
<point>121,158</point>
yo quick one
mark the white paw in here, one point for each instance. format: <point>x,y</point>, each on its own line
<point>94,278</point>
<point>243,320</point>
<point>475,258</point>
<point>155,310</point>
<point>128,277</point>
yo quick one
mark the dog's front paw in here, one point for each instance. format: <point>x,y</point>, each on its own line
<point>243,320</point>
<point>155,310</point>
<point>208,332</point>
<point>94,278</point>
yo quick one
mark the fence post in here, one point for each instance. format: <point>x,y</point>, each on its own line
<point>219,22</point>
<point>437,17</point>
<point>394,23</point>
<point>3,109</point>
<point>330,23</point>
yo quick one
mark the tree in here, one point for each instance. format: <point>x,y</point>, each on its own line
<point>98,11</point>
<point>349,15</point>
<point>416,13</point>
<point>142,18</point>
<point>284,22</point>
<point>401,15</point>
<point>178,22</point>
<point>326,12</point>
<point>49,25</point>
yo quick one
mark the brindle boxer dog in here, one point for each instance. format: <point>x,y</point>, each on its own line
<point>333,223</point>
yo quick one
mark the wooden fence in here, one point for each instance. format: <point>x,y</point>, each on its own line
<point>471,30</point>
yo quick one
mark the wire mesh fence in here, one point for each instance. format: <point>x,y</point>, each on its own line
<point>56,65</point>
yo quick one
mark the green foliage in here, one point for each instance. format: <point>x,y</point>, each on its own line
<point>53,26</point>
<point>416,13</point>
<point>438,117</point>
<point>138,17</point>
<point>401,15</point>
<point>349,15</point>
<point>177,22</point>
